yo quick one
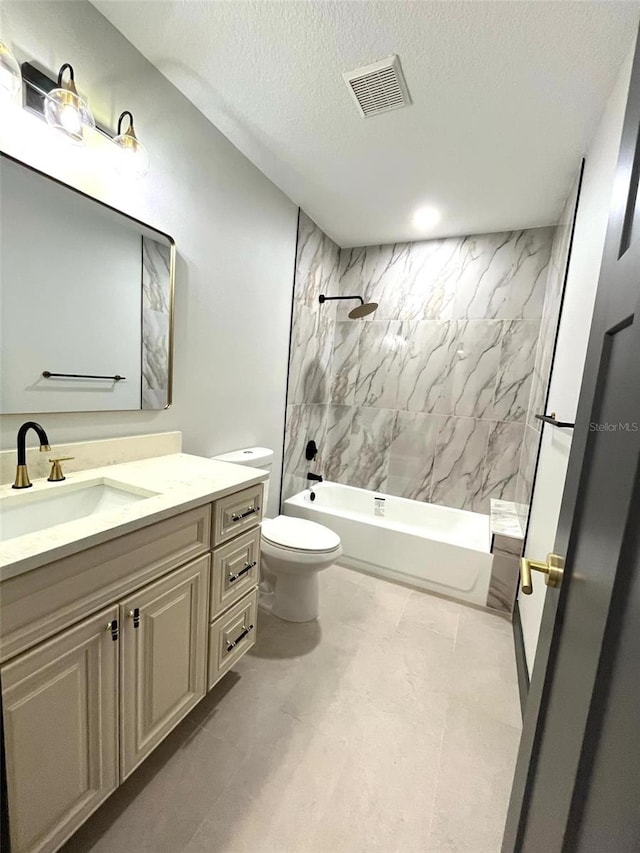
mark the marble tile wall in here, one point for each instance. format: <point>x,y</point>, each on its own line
<point>311,352</point>
<point>506,547</point>
<point>550,319</point>
<point>156,305</point>
<point>428,397</point>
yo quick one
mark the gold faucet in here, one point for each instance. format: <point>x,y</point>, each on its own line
<point>22,475</point>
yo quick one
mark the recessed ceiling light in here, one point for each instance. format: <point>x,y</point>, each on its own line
<point>425,218</point>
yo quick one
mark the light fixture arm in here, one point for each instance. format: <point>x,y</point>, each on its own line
<point>128,114</point>
<point>127,141</point>
<point>66,67</point>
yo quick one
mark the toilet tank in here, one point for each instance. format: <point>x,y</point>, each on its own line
<point>252,457</point>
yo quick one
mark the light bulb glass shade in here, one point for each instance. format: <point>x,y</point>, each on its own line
<point>132,160</point>
<point>65,110</point>
<point>10,76</point>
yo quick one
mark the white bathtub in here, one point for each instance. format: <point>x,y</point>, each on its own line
<point>433,547</point>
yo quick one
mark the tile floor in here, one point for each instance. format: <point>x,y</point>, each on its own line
<point>392,724</point>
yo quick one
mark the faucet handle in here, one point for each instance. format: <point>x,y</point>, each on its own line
<point>56,468</point>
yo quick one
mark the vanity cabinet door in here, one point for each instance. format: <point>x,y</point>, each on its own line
<point>163,659</point>
<point>61,732</point>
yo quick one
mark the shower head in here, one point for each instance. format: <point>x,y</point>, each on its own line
<point>361,310</point>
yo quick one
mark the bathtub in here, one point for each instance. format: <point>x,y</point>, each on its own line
<point>424,545</point>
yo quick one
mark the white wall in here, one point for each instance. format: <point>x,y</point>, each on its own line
<point>234,231</point>
<point>573,335</point>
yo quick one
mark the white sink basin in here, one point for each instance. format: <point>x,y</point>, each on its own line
<point>27,512</point>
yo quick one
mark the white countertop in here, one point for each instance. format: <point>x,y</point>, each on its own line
<point>182,482</point>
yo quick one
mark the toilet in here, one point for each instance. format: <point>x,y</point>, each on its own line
<point>292,550</point>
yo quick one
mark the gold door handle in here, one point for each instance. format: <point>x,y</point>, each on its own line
<point>553,569</point>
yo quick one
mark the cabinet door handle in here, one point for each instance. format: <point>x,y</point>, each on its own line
<point>135,615</point>
<point>238,516</point>
<point>113,627</point>
<point>238,575</point>
<point>239,638</point>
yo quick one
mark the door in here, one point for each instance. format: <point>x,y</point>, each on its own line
<point>163,658</point>
<point>61,732</point>
<point>577,780</point>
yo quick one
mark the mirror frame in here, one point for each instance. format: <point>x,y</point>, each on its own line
<point>172,277</point>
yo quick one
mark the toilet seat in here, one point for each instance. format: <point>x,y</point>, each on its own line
<point>286,533</point>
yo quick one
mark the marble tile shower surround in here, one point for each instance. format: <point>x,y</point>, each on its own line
<point>156,305</point>
<point>312,330</point>
<point>558,263</point>
<point>486,277</point>
<point>506,547</point>
<point>428,397</point>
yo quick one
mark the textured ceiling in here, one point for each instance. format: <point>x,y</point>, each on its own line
<point>506,96</point>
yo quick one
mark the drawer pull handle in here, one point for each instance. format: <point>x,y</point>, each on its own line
<point>239,639</point>
<point>135,615</point>
<point>113,627</point>
<point>238,575</point>
<point>238,516</point>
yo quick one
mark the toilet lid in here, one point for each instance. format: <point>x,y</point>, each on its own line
<point>299,534</point>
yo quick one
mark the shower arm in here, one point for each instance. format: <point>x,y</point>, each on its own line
<point>323,298</point>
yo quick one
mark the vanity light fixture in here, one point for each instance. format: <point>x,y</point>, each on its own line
<point>425,218</point>
<point>65,110</point>
<point>132,160</point>
<point>10,77</point>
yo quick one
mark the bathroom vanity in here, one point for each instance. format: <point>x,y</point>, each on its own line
<point>115,624</point>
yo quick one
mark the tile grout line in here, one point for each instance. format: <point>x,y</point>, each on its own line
<point>438,767</point>
<point>206,819</point>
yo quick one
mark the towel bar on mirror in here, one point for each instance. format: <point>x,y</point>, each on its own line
<point>48,375</point>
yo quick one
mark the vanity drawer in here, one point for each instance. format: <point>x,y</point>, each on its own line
<point>236,513</point>
<point>236,570</point>
<point>231,635</point>
<point>38,604</point>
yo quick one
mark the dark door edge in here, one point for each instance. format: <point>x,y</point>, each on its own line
<point>521,659</point>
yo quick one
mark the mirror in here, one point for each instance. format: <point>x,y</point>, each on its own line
<point>86,301</point>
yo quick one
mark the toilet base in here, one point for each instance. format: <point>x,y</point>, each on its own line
<point>296,599</point>
<point>290,584</point>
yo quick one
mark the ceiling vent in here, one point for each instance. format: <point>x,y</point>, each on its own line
<point>379,87</point>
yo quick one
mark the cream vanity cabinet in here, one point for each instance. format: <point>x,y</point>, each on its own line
<point>234,581</point>
<point>104,652</point>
